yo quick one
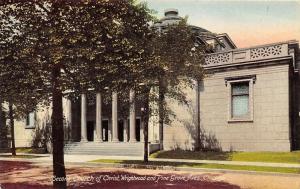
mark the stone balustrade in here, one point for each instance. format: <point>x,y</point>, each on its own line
<point>257,53</point>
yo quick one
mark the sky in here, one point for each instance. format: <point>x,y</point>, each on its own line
<point>248,23</point>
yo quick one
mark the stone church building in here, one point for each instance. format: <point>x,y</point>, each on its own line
<point>249,101</point>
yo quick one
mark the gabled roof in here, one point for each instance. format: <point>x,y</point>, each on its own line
<point>229,40</point>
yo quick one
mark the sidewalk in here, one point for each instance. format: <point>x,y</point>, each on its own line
<point>87,158</point>
<point>263,164</point>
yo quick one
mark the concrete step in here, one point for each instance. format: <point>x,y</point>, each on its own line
<point>104,144</point>
<point>106,153</point>
<point>105,148</point>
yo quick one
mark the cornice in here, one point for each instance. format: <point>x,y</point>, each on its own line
<point>253,55</point>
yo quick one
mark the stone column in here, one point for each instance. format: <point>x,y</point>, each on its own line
<point>83,118</point>
<point>125,125</point>
<point>132,120</point>
<point>141,131</point>
<point>115,117</point>
<point>69,119</point>
<point>98,118</point>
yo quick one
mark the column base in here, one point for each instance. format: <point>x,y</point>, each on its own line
<point>98,140</point>
<point>83,140</point>
<point>115,140</point>
<point>161,145</point>
<point>133,141</point>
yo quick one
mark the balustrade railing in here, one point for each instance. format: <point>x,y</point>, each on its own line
<point>248,54</point>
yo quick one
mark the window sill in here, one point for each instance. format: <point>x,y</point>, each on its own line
<point>239,120</point>
<point>30,127</point>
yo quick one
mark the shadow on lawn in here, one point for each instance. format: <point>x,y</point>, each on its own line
<point>13,167</point>
<point>186,154</point>
<point>116,180</point>
<point>156,164</point>
<point>24,185</point>
<point>8,166</point>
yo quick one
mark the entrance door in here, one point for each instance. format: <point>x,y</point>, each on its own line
<point>90,130</point>
<point>120,130</point>
<point>105,130</point>
<point>137,129</point>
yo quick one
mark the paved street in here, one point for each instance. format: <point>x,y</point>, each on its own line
<point>16,174</point>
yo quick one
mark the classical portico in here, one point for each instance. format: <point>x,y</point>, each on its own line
<point>97,126</point>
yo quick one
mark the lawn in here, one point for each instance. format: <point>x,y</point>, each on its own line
<point>271,157</point>
<point>31,150</point>
<point>200,165</point>
<point>19,156</point>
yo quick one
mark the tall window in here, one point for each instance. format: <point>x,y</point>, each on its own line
<point>30,120</point>
<point>240,99</point>
<point>240,102</point>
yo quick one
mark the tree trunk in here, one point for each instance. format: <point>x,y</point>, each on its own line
<point>161,102</point>
<point>59,172</point>
<point>145,118</point>
<point>12,128</point>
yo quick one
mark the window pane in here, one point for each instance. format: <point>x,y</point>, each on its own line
<point>27,119</point>
<point>240,105</point>
<point>240,88</point>
<point>30,119</point>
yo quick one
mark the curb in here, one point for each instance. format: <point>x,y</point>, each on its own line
<point>189,169</point>
<point>242,163</point>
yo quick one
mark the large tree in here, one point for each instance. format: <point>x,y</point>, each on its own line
<point>22,97</point>
<point>179,57</point>
<point>77,45</point>
<point>174,59</point>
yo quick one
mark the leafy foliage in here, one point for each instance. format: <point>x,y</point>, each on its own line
<point>51,49</point>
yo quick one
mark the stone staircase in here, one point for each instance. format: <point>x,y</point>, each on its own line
<point>105,148</point>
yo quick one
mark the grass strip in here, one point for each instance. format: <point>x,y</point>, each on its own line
<point>269,157</point>
<point>20,156</point>
<point>202,165</point>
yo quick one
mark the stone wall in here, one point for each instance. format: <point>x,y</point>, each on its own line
<point>269,130</point>
<point>27,137</point>
<point>181,132</point>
